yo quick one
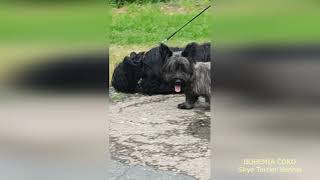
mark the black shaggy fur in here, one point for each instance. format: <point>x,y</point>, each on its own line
<point>187,75</point>
<point>151,80</point>
<point>197,53</point>
<point>140,72</point>
<point>127,74</point>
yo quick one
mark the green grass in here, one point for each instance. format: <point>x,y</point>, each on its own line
<point>60,24</point>
<point>152,23</point>
<point>252,22</point>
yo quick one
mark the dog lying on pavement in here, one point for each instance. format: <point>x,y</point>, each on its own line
<point>140,72</point>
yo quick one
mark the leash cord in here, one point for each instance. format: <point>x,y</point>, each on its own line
<point>186,24</point>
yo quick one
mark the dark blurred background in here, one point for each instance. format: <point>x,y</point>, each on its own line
<point>266,91</point>
<point>53,89</point>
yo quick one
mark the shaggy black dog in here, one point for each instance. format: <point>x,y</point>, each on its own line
<point>186,75</point>
<point>140,72</point>
<point>127,74</point>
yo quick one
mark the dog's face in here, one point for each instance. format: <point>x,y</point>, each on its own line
<point>176,69</point>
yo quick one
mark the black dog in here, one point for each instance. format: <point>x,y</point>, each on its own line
<point>127,74</point>
<point>197,53</point>
<point>140,72</point>
<point>187,75</point>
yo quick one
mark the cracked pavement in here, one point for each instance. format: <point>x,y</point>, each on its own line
<point>151,131</point>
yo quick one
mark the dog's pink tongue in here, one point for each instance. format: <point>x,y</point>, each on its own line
<point>177,88</point>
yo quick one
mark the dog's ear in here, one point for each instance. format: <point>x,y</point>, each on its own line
<point>190,50</point>
<point>133,54</point>
<point>164,51</point>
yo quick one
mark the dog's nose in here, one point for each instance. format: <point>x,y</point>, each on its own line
<point>178,81</point>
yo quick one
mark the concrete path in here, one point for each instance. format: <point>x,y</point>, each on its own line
<point>151,131</point>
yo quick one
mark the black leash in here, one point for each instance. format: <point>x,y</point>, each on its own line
<point>186,24</point>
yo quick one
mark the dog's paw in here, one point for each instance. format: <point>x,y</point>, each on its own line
<point>180,106</point>
<point>185,106</point>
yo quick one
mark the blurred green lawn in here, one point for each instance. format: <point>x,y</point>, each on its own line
<point>135,27</point>
<point>53,24</point>
<point>273,21</point>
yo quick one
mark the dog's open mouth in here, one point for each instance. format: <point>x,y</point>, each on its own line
<point>177,88</point>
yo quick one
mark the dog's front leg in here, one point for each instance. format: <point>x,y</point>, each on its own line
<point>190,100</point>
